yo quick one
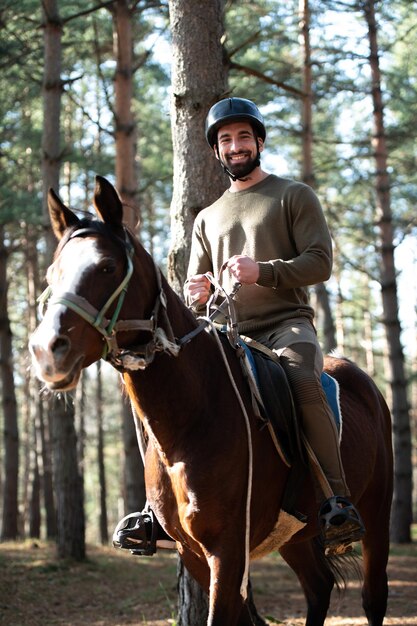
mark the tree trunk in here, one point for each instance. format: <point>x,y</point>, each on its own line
<point>42,440</point>
<point>134,480</point>
<point>104,533</point>
<point>127,186</point>
<point>52,90</point>
<point>402,504</point>
<point>308,176</point>
<point>199,79</point>
<point>47,473</point>
<point>192,601</point>
<point>71,541</point>
<point>34,504</point>
<point>328,325</point>
<point>68,482</point>
<point>125,125</point>
<point>9,405</point>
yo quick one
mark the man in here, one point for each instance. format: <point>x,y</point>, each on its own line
<point>272,236</point>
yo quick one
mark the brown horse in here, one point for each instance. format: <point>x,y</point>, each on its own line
<point>213,477</point>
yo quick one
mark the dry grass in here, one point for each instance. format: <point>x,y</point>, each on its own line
<point>113,588</point>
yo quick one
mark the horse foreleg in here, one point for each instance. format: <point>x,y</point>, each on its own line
<point>199,570</point>
<point>315,578</point>
<point>226,604</point>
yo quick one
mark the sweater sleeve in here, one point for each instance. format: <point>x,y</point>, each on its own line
<point>311,242</point>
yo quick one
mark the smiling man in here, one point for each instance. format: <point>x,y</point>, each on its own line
<point>271,234</point>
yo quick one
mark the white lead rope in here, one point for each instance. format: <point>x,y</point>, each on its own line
<point>245,578</point>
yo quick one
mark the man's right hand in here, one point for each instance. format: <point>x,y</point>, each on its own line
<point>197,289</point>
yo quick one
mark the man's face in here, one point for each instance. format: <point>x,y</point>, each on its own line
<point>237,147</point>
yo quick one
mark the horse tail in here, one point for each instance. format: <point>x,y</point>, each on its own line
<point>343,567</point>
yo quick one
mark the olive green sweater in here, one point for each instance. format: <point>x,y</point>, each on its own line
<point>280,224</point>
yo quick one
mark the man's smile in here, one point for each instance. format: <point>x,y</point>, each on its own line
<point>238,156</point>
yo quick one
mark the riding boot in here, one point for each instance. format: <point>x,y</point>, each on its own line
<point>321,432</point>
<point>340,522</point>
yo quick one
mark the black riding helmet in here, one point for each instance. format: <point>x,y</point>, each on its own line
<point>233,110</point>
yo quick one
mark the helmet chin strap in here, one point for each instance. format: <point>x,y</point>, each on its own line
<point>255,164</point>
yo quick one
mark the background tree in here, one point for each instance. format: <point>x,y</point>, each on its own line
<point>68,482</point>
<point>9,528</point>
<point>402,506</point>
<point>196,36</point>
<point>199,79</point>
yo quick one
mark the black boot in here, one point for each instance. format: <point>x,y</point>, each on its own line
<point>341,525</point>
<point>141,533</point>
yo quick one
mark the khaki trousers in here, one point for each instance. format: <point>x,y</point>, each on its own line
<point>295,342</point>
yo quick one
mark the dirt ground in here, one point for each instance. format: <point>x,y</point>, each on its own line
<point>113,588</point>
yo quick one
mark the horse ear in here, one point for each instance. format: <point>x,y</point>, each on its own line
<point>107,202</point>
<point>61,216</point>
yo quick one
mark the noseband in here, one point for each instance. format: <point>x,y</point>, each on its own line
<point>137,357</point>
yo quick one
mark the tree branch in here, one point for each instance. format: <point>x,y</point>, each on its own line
<point>250,71</point>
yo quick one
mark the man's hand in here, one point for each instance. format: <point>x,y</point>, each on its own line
<point>198,289</point>
<point>244,269</point>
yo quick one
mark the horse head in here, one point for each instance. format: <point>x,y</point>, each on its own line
<point>87,284</point>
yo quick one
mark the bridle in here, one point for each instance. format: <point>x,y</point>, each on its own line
<point>136,357</point>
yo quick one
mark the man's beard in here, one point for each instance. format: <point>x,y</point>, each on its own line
<point>240,170</point>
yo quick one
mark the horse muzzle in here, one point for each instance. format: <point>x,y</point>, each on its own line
<point>55,362</point>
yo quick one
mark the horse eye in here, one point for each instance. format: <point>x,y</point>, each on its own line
<point>107,266</point>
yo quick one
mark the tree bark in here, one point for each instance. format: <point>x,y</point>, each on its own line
<point>127,186</point>
<point>42,440</point>
<point>11,434</point>
<point>125,125</point>
<point>402,505</point>
<point>199,79</point>
<point>104,533</point>
<point>68,482</point>
<point>328,325</point>
<point>69,487</point>
<point>308,176</point>
<point>52,91</point>
<point>34,504</point>
<point>134,480</point>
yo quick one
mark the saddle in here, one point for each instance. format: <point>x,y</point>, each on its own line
<point>274,405</point>
<point>277,405</point>
<point>274,398</point>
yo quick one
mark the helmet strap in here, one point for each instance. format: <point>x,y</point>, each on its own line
<point>255,164</point>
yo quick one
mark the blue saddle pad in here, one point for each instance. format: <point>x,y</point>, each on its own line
<point>331,389</point>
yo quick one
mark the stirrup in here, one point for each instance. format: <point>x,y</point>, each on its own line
<point>340,524</point>
<point>141,533</point>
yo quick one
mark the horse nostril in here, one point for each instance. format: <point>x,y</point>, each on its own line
<point>60,346</point>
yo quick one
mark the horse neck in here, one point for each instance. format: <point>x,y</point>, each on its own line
<point>149,278</point>
<point>165,385</point>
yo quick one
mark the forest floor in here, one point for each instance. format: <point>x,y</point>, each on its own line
<point>114,588</point>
